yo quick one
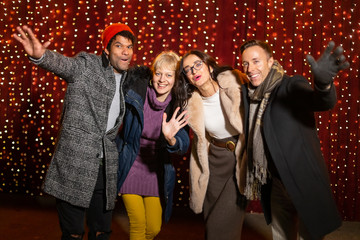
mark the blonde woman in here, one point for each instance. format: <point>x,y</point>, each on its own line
<point>152,128</point>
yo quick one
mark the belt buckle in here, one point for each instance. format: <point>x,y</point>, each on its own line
<point>230,145</point>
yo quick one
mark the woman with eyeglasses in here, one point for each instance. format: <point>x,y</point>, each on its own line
<point>215,116</point>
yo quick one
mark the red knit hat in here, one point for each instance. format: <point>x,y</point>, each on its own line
<point>111,31</point>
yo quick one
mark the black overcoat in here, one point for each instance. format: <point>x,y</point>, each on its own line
<point>290,134</point>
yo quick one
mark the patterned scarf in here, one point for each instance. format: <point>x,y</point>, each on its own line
<point>257,162</point>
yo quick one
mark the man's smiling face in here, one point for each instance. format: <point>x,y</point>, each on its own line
<point>120,54</point>
<point>256,64</point>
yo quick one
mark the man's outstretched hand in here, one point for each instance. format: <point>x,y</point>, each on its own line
<point>328,65</point>
<point>31,44</point>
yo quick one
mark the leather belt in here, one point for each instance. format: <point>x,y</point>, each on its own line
<point>229,145</point>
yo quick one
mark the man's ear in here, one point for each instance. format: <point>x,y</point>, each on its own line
<point>270,62</point>
<point>106,51</point>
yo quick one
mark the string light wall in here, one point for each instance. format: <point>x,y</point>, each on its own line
<point>31,98</point>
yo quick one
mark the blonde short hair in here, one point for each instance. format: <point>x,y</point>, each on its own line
<point>166,59</point>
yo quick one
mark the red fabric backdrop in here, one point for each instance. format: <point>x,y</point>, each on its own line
<point>31,99</point>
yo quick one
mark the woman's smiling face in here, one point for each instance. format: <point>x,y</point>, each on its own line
<point>163,81</point>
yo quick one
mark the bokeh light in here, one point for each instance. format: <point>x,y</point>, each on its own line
<point>31,98</point>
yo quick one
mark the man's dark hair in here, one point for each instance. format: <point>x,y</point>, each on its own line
<point>125,34</point>
<point>259,43</point>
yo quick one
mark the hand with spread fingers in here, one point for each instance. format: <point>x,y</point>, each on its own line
<point>171,127</point>
<point>328,65</point>
<point>31,44</point>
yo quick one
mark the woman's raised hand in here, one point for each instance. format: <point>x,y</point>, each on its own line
<point>171,127</point>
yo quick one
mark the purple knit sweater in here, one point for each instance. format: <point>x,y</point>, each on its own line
<point>142,178</point>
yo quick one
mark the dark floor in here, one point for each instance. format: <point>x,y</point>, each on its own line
<point>25,217</point>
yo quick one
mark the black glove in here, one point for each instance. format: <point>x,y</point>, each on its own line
<point>328,65</point>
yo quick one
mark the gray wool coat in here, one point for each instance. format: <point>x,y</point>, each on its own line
<point>83,139</point>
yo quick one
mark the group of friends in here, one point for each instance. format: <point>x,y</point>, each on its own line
<point>254,137</point>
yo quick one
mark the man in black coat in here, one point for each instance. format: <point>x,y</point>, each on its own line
<point>285,165</point>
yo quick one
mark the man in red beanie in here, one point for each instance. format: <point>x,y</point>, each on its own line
<point>82,175</point>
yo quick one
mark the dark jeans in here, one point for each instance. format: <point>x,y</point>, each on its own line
<point>98,219</point>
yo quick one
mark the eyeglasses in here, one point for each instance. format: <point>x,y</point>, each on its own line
<point>197,66</point>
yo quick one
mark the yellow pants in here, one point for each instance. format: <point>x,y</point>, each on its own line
<point>145,216</point>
